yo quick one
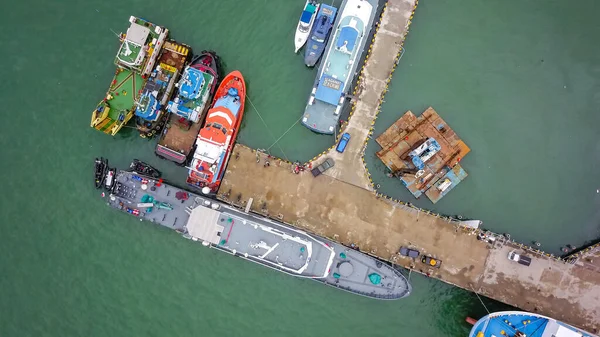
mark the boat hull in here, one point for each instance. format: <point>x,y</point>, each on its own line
<point>118,105</point>
<point>197,179</point>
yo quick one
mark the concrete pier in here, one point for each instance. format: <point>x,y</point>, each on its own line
<point>372,85</point>
<point>352,215</point>
<point>342,205</point>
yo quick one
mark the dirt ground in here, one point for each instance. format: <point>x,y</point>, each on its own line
<point>353,215</point>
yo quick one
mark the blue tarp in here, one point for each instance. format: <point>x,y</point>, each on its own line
<point>148,108</point>
<point>306,15</point>
<point>329,90</point>
<point>191,84</point>
<point>348,37</point>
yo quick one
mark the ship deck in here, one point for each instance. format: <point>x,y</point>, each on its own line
<point>260,240</point>
<point>338,62</point>
<point>337,65</point>
<point>320,117</point>
<point>135,51</point>
<point>124,89</point>
<point>174,54</point>
<point>131,193</point>
<point>204,93</point>
<point>393,284</point>
<point>179,137</point>
<point>173,57</point>
<point>203,99</point>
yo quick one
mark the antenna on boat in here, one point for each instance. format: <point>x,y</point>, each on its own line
<point>119,36</point>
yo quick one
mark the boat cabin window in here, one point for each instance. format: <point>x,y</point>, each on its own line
<point>224,130</point>
<point>209,125</point>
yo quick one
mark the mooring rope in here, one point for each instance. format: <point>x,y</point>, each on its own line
<point>480,300</point>
<point>288,130</point>
<point>266,126</point>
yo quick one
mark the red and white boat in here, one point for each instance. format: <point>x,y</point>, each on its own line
<point>217,136</point>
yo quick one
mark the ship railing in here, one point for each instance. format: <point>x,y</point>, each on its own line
<point>371,294</point>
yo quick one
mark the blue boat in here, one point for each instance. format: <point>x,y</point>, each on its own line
<point>338,68</point>
<point>523,324</point>
<point>319,34</point>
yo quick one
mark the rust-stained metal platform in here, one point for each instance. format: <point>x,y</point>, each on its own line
<point>441,172</point>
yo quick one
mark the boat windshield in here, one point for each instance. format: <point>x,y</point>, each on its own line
<point>316,39</point>
<point>303,28</point>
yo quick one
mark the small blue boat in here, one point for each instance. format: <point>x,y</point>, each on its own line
<point>319,35</point>
<point>521,324</point>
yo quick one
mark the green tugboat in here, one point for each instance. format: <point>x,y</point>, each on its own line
<point>139,50</point>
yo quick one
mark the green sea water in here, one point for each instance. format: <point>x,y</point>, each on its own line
<point>70,266</point>
<point>519,81</point>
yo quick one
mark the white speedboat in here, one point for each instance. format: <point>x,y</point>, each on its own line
<point>307,19</point>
